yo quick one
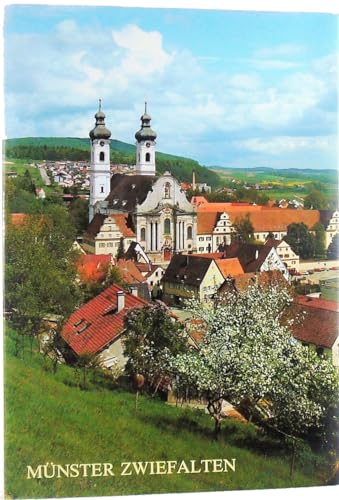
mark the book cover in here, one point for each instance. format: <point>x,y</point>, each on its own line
<point>171,250</point>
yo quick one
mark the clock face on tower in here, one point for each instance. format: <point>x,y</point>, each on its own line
<point>148,144</point>
<point>102,143</point>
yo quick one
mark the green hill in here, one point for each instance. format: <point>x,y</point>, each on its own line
<point>50,420</point>
<point>71,148</point>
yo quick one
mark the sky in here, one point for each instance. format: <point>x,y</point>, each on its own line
<point>227,88</point>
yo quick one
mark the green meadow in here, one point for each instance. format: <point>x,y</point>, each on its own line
<point>20,167</point>
<point>49,419</point>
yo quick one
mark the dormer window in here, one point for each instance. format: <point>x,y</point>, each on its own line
<point>115,201</point>
<point>123,203</point>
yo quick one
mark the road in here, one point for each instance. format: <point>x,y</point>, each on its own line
<point>323,275</point>
<point>44,176</point>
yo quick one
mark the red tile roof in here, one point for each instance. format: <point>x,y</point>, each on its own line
<point>129,271</point>
<point>211,255</point>
<point>18,219</point>
<point>96,324</point>
<point>121,222</point>
<point>263,218</point>
<point>319,325</point>
<point>229,267</point>
<point>327,305</point>
<point>224,206</point>
<point>93,267</point>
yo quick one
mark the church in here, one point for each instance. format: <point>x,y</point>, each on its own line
<point>147,208</point>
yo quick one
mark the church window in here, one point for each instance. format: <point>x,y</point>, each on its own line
<point>143,234</point>
<point>102,156</point>
<point>148,157</point>
<point>167,190</point>
<point>101,189</point>
<point>167,226</point>
<point>189,232</point>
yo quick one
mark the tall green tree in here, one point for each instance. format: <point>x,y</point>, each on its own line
<point>79,214</point>
<point>152,338</point>
<point>315,200</point>
<point>300,240</point>
<point>40,271</point>
<point>333,249</point>
<point>319,241</point>
<point>244,230</point>
<point>121,249</point>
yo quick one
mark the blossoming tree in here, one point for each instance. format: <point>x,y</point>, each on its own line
<point>249,358</point>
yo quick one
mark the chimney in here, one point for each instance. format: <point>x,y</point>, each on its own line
<point>193,180</point>
<point>121,300</point>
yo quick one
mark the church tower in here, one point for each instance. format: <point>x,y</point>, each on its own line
<point>100,177</point>
<point>145,152</point>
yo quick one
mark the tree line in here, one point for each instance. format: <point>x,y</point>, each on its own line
<point>181,168</point>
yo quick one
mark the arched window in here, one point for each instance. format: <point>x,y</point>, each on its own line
<point>148,157</point>
<point>102,156</point>
<point>167,190</point>
<point>167,226</point>
<point>143,234</point>
<point>189,232</point>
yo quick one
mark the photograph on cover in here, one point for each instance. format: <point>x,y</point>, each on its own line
<point>171,250</point>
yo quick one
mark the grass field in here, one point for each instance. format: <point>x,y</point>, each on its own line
<point>49,419</point>
<point>20,166</point>
<point>285,183</point>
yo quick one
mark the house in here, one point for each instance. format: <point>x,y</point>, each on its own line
<point>151,272</point>
<point>188,276</point>
<point>40,193</point>
<point>97,327</point>
<point>216,222</point>
<point>92,268</point>
<point>105,232</point>
<point>318,327</point>
<point>241,282</point>
<point>227,266</point>
<point>285,252</point>
<point>256,258</point>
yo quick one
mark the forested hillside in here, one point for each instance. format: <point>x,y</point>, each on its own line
<point>69,148</point>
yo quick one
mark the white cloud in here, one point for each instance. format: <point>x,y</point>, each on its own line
<point>283,145</point>
<point>269,64</point>
<point>142,53</point>
<point>282,50</point>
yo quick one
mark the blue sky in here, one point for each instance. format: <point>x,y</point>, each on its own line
<point>239,89</point>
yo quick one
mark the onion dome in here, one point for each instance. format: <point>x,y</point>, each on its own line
<point>145,133</point>
<point>100,131</point>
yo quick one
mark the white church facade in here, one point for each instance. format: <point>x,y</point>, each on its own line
<point>156,211</point>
